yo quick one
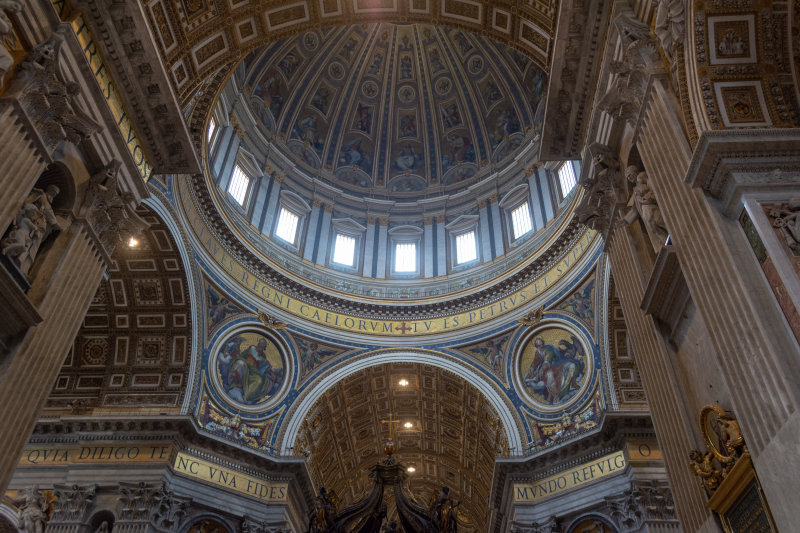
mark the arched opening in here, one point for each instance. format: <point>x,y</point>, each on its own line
<point>102,522</point>
<point>446,433</point>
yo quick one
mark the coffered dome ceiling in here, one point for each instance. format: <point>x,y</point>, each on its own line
<point>394,110</point>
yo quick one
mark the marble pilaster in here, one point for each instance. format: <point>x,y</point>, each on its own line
<point>64,285</point>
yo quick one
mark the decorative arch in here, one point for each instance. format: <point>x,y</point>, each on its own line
<point>136,345</point>
<point>588,523</point>
<point>306,400</point>
<point>207,523</point>
<point>101,516</point>
<point>8,519</point>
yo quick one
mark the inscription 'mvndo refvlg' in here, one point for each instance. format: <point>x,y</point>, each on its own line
<point>607,465</point>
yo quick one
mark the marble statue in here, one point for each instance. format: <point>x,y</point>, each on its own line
<point>34,222</point>
<point>670,27</point>
<point>643,204</point>
<point>104,528</point>
<point>32,510</point>
<point>6,29</point>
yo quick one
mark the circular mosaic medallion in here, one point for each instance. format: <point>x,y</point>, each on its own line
<point>475,64</point>
<point>249,368</point>
<point>443,86</point>
<point>310,41</point>
<point>369,89</point>
<point>336,70</point>
<point>554,367</point>
<point>406,94</point>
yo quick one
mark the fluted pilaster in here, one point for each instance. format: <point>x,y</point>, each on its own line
<point>758,358</point>
<point>62,289</point>
<point>22,160</point>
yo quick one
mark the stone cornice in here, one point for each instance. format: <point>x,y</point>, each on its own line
<point>569,236</point>
<point>614,429</point>
<point>180,431</point>
<point>666,294</point>
<point>577,51</point>
<point>143,82</point>
<point>729,163</point>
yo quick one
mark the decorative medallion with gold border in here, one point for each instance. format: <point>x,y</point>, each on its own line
<point>553,366</point>
<point>250,368</point>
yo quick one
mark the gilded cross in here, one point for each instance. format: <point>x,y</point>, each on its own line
<point>390,422</point>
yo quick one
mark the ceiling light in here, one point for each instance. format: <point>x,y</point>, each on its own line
<point>133,243</point>
<point>408,425</point>
<point>403,382</point>
<point>411,469</point>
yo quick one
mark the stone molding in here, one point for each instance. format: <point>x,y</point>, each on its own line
<point>645,502</point>
<point>135,502</point>
<point>250,525</point>
<point>728,164</point>
<point>666,294</point>
<point>614,428</point>
<point>179,430</point>
<point>140,75</point>
<point>570,234</point>
<point>169,509</point>
<point>573,73</point>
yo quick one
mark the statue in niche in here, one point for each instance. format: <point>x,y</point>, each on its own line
<point>643,204</point>
<point>104,528</point>
<point>443,512</point>
<point>32,510</point>
<point>34,222</point>
<point>6,34</point>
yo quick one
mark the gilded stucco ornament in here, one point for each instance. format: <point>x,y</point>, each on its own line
<point>533,317</point>
<point>724,447</point>
<point>271,322</point>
